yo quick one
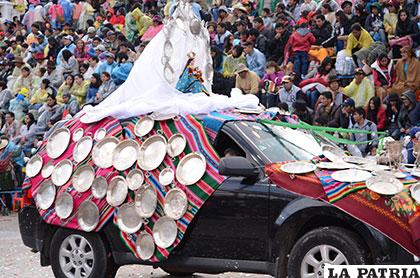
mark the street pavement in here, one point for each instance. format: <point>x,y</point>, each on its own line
<point>16,260</point>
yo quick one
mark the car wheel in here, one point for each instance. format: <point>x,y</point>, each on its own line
<point>332,245</point>
<point>75,254</point>
<point>177,273</point>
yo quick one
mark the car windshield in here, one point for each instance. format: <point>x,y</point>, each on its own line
<point>278,143</point>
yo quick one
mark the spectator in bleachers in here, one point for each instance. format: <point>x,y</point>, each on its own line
<point>360,89</point>
<point>375,112</point>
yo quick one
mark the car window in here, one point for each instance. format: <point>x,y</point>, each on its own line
<point>278,144</point>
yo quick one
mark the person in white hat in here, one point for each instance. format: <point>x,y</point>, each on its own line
<point>68,45</point>
<point>91,33</point>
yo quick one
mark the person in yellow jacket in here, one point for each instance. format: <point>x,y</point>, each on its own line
<point>66,87</point>
<point>80,88</point>
<point>136,23</point>
<point>40,96</point>
<point>361,89</point>
<point>358,43</point>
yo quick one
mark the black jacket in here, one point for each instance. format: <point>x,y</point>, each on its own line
<point>275,48</point>
<point>324,36</point>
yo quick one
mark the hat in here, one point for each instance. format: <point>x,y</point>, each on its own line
<point>393,97</point>
<point>109,54</point>
<point>157,18</point>
<point>39,35</point>
<point>349,102</point>
<point>359,71</point>
<point>68,37</point>
<point>67,94</point>
<point>18,59</point>
<point>100,47</point>
<point>333,78</point>
<point>4,142</point>
<point>346,3</point>
<point>10,56</point>
<point>110,33</point>
<point>410,95</point>
<point>240,7</point>
<point>39,56</point>
<point>2,34</point>
<point>91,30</point>
<point>376,5</point>
<point>286,79</point>
<point>241,68</point>
<point>223,8</point>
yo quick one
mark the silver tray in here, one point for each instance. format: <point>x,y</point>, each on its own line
<point>144,126</point>
<point>165,232</point>
<point>334,154</point>
<point>64,205</point>
<point>355,160</point>
<point>46,195</point>
<point>334,165</point>
<point>78,134</point>
<point>99,187</point>
<point>62,172</point>
<point>102,152</point>
<point>415,192</point>
<point>166,176</point>
<point>299,167</point>
<point>100,134</point>
<point>82,149</point>
<point>195,26</point>
<point>117,191</point>
<point>83,178</point>
<point>58,142</point>
<point>34,166</point>
<point>128,220</point>
<point>145,246</point>
<point>146,201</point>
<point>373,167</point>
<point>351,175</point>
<point>135,179</point>
<point>162,117</point>
<point>175,204</point>
<point>47,169</point>
<point>169,73</point>
<point>384,185</point>
<point>88,216</point>
<point>176,144</point>
<point>125,154</point>
<point>191,168</point>
<point>152,152</point>
<point>415,172</point>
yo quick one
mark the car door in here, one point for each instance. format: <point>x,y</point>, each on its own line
<point>232,224</point>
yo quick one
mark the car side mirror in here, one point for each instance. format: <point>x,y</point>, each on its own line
<point>237,166</point>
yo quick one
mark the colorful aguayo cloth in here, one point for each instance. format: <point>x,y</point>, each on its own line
<point>197,194</point>
<point>397,217</point>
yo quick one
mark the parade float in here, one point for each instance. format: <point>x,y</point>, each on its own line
<point>151,174</point>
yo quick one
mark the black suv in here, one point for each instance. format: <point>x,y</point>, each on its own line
<point>248,225</point>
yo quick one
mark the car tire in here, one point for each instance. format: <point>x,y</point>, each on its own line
<point>333,245</point>
<point>73,251</point>
<point>177,273</point>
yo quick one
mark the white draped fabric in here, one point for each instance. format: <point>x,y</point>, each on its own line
<point>147,88</point>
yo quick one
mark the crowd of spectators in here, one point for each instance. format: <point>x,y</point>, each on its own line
<point>337,64</point>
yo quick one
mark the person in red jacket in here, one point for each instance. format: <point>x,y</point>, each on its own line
<point>383,72</point>
<point>375,112</point>
<point>298,45</point>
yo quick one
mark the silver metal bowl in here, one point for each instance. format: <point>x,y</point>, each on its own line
<point>144,126</point>
<point>82,149</point>
<point>152,152</point>
<point>47,169</point>
<point>176,144</point>
<point>103,151</point>
<point>99,187</point>
<point>135,179</point>
<point>62,172</point>
<point>146,201</point>
<point>165,232</point>
<point>88,216</point>
<point>145,246</point>
<point>64,205</point>
<point>117,191</point>
<point>128,220</point>
<point>166,176</point>
<point>125,154</point>
<point>83,178</point>
<point>78,134</point>
<point>191,168</point>
<point>45,196</point>
<point>58,142</point>
<point>175,204</point>
<point>34,166</point>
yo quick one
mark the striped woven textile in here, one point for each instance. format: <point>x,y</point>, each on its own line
<point>197,141</point>
<point>335,190</point>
